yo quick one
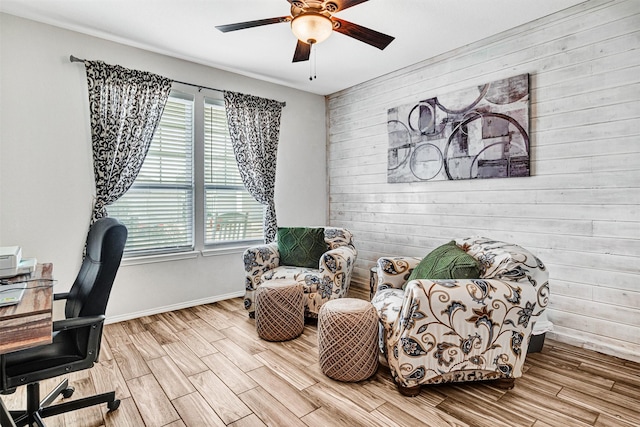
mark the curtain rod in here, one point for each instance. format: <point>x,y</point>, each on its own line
<point>200,87</point>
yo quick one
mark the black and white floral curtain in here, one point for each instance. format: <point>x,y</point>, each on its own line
<point>254,127</point>
<point>125,107</point>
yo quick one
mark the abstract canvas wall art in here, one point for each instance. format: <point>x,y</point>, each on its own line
<point>480,132</point>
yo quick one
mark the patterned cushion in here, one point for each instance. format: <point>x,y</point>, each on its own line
<point>301,246</point>
<point>446,262</point>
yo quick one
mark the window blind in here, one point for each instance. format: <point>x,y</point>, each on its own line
<point>158,208</point>
<point>231,213</point>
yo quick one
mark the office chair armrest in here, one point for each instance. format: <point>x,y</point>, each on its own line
<point>61,295</point>
<point>77,322</point>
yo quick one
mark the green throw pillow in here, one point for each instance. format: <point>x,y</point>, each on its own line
<point>446,262</point>
<point>301,246</point>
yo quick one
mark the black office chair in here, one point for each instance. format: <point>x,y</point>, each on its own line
<point>76,339</point>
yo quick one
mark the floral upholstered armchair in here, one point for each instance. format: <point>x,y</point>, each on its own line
<point>454,330</point>
<point>329,280</point>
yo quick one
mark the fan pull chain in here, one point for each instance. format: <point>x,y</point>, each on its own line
<point>312,63</point>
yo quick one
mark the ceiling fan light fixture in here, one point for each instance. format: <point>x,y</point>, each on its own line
<point>311,27</point>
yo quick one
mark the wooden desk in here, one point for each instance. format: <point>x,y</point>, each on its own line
<point>29,323</point>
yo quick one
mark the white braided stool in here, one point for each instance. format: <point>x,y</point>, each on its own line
<point>348,339</point>
<point>279,310</point>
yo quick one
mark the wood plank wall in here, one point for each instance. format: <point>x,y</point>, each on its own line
<point>579,211</point>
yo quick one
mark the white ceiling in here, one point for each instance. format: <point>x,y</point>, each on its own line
<point>186,29</point>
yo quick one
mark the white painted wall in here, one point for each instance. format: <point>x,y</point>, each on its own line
<point>46,175</point>
<point>579,211</point>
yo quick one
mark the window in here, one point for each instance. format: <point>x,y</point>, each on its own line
<point>159,210</point>
<point>231,212</point>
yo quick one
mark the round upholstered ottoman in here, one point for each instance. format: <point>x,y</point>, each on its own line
<point>279,310</point>
<point>348,339</point>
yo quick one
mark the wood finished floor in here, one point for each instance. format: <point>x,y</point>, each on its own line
<point>206,366</point>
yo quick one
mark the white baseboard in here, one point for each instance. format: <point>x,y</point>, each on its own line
<point>164,309</point>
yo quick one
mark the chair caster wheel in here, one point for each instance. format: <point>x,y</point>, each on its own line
<point>113,405</point>
<point>67,392</point>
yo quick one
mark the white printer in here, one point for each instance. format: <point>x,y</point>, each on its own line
<point>12,264</point>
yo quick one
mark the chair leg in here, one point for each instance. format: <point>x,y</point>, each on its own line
<point>38,420</point>
<point>6,417</point>
<point>409,391</point>
<point>53,395</point>
<point>37,410</point>
<point>108,398</point>
<point>23,419</point>
<point>15,417</point>
<point>28,417</point>
<point>505,383</point>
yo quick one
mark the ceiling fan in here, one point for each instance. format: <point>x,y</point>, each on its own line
<point>312,21</point>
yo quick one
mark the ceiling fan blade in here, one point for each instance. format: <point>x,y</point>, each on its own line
<point>364,34</point>
<point>251,24</point>
<point>302,53</point>
<point>345,4</point>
